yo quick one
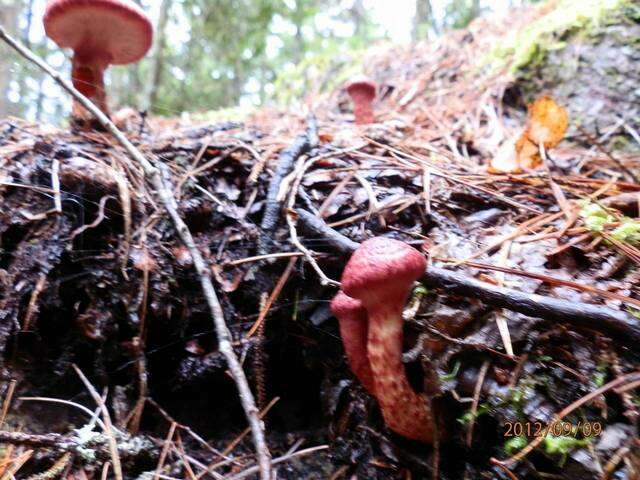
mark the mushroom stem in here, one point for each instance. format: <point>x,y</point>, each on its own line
<point>362,91</point>
<point>352,319</point>
<point>389,376</point>
<point>88,79</point>
<point>363,111</point>
<point>380,274</point>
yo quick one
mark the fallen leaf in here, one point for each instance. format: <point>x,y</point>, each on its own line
<point>505,160</point>
<point>546,124</point>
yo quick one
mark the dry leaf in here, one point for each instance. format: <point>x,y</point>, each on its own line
<point>505,160</point>
<point>546,123</point>
<point>527,153</point>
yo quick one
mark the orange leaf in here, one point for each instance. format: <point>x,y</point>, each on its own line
<point>528,153</point>
<point>547,122</point>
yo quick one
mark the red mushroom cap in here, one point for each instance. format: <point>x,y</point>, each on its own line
<point>352,317</point>
<point>362,85</point>
<point>117,30</point>
<point>380,268</point>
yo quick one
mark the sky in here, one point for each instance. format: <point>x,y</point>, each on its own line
<point>396,15</point>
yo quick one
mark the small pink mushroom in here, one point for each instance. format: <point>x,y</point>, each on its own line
<point>352,318</point>
<point>380,274</point>
<point>100,33</point>
<point>362,91</point>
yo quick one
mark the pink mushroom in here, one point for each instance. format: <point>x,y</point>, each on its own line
<point>100,33</point>
<point>362,91</point>
<point>380,274</point>
<point>352,318</point>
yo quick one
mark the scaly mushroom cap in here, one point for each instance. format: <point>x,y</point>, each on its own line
<point>352,318</point>
<point>363,87</point>
<point>382,267</point>
<point>117,30</point>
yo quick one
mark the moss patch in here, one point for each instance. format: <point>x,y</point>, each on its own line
<point>529,46</point>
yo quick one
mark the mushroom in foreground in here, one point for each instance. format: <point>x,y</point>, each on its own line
<point>362,91</point>
<point>100,33</point>
<point>380,274</point>
<point>352,319</point>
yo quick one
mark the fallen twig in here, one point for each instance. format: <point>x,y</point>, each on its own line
<point>165,193</point>
<point>617,323</point>
<point>302,144</point>
<point>252,470</point>
<point>108,426</point>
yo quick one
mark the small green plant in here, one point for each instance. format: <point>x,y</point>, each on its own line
<point>453,374</point>
<point>467,417</point>
<point>515,444</point>
<point>600,376</point>
<point>561,446</point>
<point>596,217</point>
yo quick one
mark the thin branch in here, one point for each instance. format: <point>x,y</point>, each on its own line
<point>165,194</point>
<point>289,456</point>
<point>106,418</point>
<point>616,323</point>
<point>301,145</point>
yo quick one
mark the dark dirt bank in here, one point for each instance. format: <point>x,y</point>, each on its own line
<point>106,285</point>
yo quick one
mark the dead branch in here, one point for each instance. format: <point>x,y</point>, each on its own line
<point>617,323</point>
<point>302,144</point>
<point>165,193</point>
<point>130,450</point>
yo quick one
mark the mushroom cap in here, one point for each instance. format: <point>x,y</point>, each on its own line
<point>116,29</point>
<point>382,268</point>
<point>343,305</point>
<point>362,85</point>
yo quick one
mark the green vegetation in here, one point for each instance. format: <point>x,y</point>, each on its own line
<point>529,46</point>
<point>469,416</point>
<point>560,446</point>
<point>596,217</point>
<point>515,444</point>
<point>453,374</point>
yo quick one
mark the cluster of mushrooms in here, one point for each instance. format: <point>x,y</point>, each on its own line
<point>376,284</point>
<point>378,278</point>
<point>118,32</point>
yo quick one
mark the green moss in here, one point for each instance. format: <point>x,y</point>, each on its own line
<point>595,217</point>
<point>515,444</point>
<point>560,446</point>
<point>469,416</point>
<point>528,47</point>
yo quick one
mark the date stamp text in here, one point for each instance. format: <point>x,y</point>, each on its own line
<point>556,429</point>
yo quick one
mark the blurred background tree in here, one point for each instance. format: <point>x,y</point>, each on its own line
<point>212,54</point>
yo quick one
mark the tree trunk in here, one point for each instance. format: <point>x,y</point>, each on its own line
<point>359,18</point>
<point>423,21</point>
<point>26,34</point>
<point>9,20</point>
<point>157,58</point>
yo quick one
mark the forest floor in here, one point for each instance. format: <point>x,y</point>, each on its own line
<point>528,317</point>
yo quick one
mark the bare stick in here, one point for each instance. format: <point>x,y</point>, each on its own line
<point>302,144</point>
<point>617,323</point>
<point>106,418</point>
<point>165,194</point>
